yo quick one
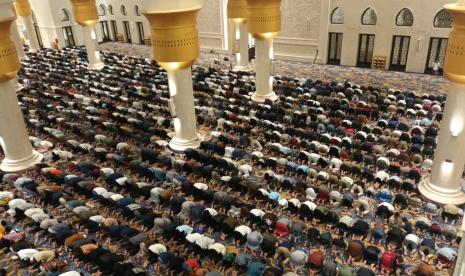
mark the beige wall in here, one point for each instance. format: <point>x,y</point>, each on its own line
<point>305,26</point>
<point>210,24</point>
<point>49,21</point>
<point>420,33</point>
<point>300,29</point>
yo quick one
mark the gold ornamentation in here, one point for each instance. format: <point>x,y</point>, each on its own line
<point>454,64</point>
<point>85,12</point>
<point>264,20</point>
<point>238,9</point>
<point>175,39</point>
<point>23,8</point>
<point>9,62</point>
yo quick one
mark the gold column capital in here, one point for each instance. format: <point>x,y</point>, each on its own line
<point>23,8</point>
<point>9,62</point>
<point>264,18</point>
<point>85,12</point>
<point>238,10</point>
<point>175,39</point>
<point>454,64</point>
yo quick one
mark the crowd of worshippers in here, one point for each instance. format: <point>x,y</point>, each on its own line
<point>321,182</point>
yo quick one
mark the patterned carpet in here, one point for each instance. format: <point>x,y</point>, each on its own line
<point>397,80</point>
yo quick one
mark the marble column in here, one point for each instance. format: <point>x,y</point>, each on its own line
<point>175,44</point>
<point>85,14</point>
<point>242,55</point>
<point>445,184</point>
<point>264,23</point>
<point>238,12</point>
<point>14,140</point>
<point>24,11</point>
<point>459,269</point>
<point>91,44</point>
<point>19,48</point>
<point>15,143</point>
<point>183,110</point>
<point>17,40</point>
<point>263,77</point>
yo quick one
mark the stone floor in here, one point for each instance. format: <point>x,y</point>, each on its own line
<point>397,80</point>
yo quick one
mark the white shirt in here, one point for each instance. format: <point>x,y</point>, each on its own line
<point>24,254</point>
<point>99,190</point>
<point>413,238</point>
<point>310,205</point>
<point>295,201</point>
<point>243,229</point>
<point>116,197</point>
<point>80,209</point>
<point>264,192</point>
<point>388,205</point>
<point>193,237</point>
<point>157,248</point>
<point>97,218</point>
<point>70,273</point>
<point>382,175</point>
<point>107,171</point>
<point>218,247</point>
<point>212,211</point>
<point>201,186</point>
<point>245,169</point>
<point>204,242</point>
<point>107,195</point>
<point>6,194</point>
<point>121,181</point>
<point>257,212</point>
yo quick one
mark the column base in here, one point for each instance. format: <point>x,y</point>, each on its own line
<point>179,145</point>
<point>20,165</point>
<point>96,66</point>
<point>261,98</point>
<point>239,68</point>
<point>439,195</point>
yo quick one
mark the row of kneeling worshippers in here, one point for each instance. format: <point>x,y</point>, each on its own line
<point>324,181</point>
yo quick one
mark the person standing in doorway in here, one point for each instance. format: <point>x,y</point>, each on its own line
<point>436,65</point>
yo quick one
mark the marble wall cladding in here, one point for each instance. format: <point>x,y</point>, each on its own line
<point>300,18</point>
<point>299,29</point>
<point>420,32</point>
<point>209,24</point>
<point>209,18</point>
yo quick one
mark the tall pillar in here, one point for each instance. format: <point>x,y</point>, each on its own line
<point>19,48</point>
<point>264,23</point>
<point>237,12</point>
<point>14,139</point>
<point>445,184</point>
<point>17,40</point>
<point>24,10</point>
<point>85,14</point>
<point>459,269</point>
<point>175,44</point>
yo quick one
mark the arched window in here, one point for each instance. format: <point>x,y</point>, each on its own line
<point>369,17</point>
<point>101,10</point>
<point>137,10</point>
<point>123,10</point>
<point>337,16</point>
<point>404,18</point>
<point>65,15</point>
<point>443,19</point>
<point>110,9</point>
